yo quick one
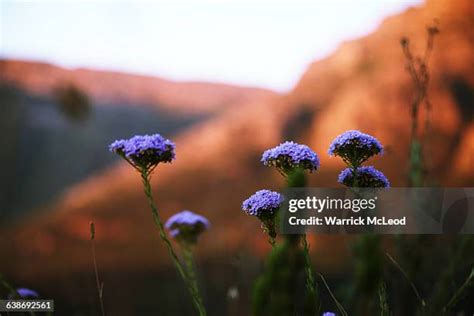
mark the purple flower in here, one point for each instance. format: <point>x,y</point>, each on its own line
<point>187,226</point>
<point>289,155</point>
<point>366,177</point>
<point>355,147</point>
<point>144,152</point>
<point>329,314</point>
<point>263,202</point>
<point>27,293</point>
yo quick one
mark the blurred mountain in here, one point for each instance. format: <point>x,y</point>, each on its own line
<point>106,87</point>
<point>362,85</point>
<point>55,123</point>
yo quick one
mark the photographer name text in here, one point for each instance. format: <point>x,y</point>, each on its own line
<point>352,221</point>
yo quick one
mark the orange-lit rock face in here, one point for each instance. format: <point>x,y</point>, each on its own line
<point>363,85</point>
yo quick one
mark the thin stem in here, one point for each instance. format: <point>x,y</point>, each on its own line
<point>309,271</point>
<point>395,263</point>
<point>100,285</point>
<point>384,308</point>
<point>419,72</point>
<point>195,296</point>
<point>339,305</point>
<point>297,178</point>
<point>460,291</point>
<point>189,261</point>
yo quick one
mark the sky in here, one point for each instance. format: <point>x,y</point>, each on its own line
<point>264,43</point>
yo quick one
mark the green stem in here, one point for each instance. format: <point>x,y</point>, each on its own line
<point>189,261</point>
<point>195,296</point>
<point>384,308</point>
<point>310,283</point>
<point>296,178</point>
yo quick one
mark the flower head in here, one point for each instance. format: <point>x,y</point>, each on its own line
<point>27,293</point>
<point>355,147</point>
<point>263,202</point>
<point>329,314</point>
<point>290,155</point>
<point>144,152</point>
<point>187,226</point>
<point>366,177</point>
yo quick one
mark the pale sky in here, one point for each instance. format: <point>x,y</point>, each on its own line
<point>260,43</point>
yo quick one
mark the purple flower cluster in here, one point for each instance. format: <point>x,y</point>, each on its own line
<point>186,226</point>
<point>355,147</point>
<point>290,155</point>
<point>366,177</point>
<point>262,203</point>
<point>329,314</point>
<point>144,151</point>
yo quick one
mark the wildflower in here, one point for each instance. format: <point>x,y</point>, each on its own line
<point>27,293</point>
<point>355,147</point>
<point>186,226</point>
<point>290,155</point>
<point>144,152</point>
<point>329,314</point>
<point>366,177</point>
<point>264,204</point>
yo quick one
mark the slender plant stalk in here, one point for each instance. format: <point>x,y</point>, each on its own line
<point>192,291</point>
<point>459,293</point>
<point>189,261</point>
<point>417,67</point>
<point>309,271</point>
<point>100,285</point>
<point>399,267</point>
<point>384,308</point>
<point>339,305</point>
<point>297,178</point>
